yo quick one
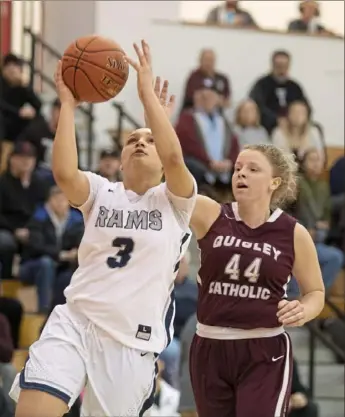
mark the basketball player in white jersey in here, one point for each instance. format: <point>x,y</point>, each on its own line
<point>120,307</point>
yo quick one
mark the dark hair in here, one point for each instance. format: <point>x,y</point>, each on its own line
<point>56,103</point>
<point>12,59</point>
<point>280,52</point>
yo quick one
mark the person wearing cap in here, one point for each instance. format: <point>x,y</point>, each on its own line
<point>207,140</point>
<point>207,73</point>
<point>109,165</point>
<point>309,21</point>
<point>19,104</point>
<point>20,193</point>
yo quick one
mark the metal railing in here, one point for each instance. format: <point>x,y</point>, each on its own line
<point>37,41</point>
<point>315,333</point>
<point>122,116</point>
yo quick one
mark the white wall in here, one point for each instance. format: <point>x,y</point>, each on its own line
<point>127,22</point>
<point>270,14</point>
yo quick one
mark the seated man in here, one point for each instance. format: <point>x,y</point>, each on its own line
<point>40,133</point>
<point>109,165</point>
<point>19,104</point>
<point>21,191</point>
<point>7,370</point>
<point>209,146</point>
<point>50,255</point>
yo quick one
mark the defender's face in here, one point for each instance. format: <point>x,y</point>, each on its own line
<point>140,151</point>
<point>253,177</point>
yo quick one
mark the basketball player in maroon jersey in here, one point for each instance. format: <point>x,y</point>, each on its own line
<point>241,360</point>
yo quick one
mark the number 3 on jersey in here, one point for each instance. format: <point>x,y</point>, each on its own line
<point>252,272</point>
<point>126,246</point>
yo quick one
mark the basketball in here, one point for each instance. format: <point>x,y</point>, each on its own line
<point>94,69</point>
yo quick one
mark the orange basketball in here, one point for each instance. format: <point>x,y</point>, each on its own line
<point>94,69</point>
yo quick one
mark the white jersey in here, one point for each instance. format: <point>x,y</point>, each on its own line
<point>128,260</point>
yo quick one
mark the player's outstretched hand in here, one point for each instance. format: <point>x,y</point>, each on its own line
<point>143,68</point>
<point>64,93</point>
<point>168,103</point>
<point>291,313</point>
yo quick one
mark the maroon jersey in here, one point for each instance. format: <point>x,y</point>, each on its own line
<point>244,272</point>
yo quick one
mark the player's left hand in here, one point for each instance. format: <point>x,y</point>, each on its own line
<point>143,68</point>
<point>291,313</point>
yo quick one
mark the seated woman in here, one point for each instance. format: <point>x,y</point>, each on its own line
<point>297,133</point>
<point>314,210</point>
<point>248,127</point>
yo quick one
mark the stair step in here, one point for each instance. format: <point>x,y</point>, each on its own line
<point>30,329</point>
<point>28,297</point>
<point>10,287</point>
<point>327,312</point>
<point>331,408</point>
<point>19,358</point>
<point>329,380</point>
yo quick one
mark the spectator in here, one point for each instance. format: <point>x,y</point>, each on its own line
<point>187,407</point>
<point>248,127</point>
<point>275,91</point>
<point>208,142</point>
<point>5,410</point>
<point>229,13</point>
<point>13,311</point>
<point>166,398</point>
<point>207,75</point>
<point>109,165</point>
<point>20,192</point>
<point>309,19</point>
<point>40,133</point>
<point>186,294</point>
<point>300,404</point>
<point>314,210</point>
<point>7,371</point>
<point>297,134</point>
<point>18,103</point>
<point>337,187</point>
<point>54,234</point>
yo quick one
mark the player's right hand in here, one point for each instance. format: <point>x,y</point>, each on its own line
<point>143,68</point>
<point>64,93</point>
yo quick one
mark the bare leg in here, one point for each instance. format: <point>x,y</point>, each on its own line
<point>34,403</point>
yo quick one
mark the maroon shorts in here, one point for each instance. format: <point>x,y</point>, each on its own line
<point>241,378</point>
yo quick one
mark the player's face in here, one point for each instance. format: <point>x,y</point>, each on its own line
<point>140,151</point>
<point>253,178</point>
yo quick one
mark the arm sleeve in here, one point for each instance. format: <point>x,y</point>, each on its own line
<point>182,207</point>
<point>96,183</point>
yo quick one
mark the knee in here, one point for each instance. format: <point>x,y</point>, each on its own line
<point>336,257</point>
<point>7,241</point>
<point>46,262</point>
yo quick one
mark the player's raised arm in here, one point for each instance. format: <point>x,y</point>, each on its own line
<point>179,180</point>
<point>307,272</point>
<point>73,182</point>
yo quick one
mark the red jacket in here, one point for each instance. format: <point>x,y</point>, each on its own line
<point>193,144</point>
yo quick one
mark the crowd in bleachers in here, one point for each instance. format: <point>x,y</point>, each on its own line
<point>40,232</point>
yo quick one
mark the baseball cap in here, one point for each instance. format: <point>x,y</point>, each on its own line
<point>207,84</point>
<point>12,59</point>
<point>109,153</point>
<point>24,149</point>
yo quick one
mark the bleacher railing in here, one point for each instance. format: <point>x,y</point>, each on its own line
<point>37,43</point>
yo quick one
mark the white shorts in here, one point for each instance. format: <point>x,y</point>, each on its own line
<point>72,356</point>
